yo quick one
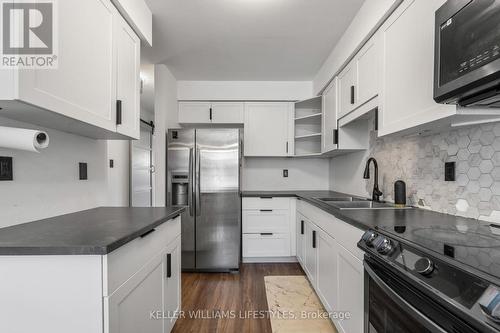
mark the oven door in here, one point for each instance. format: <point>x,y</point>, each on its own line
<point>393,305</point>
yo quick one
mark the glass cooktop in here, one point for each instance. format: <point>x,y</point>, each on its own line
<point>473,244</point>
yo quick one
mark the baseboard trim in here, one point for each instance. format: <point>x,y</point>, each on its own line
<point>256,260</point>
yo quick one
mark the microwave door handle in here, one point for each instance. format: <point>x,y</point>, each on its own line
<point>190,182</point>
<point>407,307</point>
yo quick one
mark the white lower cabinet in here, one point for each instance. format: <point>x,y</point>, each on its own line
<point>268,229</point>
<point>311,256</point>
<point>327,268</point>
<point>332,264</point>
<point>350,290</point>
<point>300,238</point>
<point>172,284</point>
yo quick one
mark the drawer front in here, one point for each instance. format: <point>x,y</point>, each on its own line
<point>266,220</point>
<point>265,203</point>
<point>125,261</point>
<point>273,245</point>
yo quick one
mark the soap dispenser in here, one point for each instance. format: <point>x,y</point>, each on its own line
<point>400,193</point>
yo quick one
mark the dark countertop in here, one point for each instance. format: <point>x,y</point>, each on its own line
<point>95,231</point>
<point>476,243</point>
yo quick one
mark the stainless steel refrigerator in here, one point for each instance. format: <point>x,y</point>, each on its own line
<point>203,175</point>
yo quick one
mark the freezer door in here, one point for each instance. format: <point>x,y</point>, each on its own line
<point>217,199</point>
<point>180,188</point>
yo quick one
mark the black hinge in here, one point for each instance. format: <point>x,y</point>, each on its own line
<point>376,119</point>
<point>210,114</point>
<point>302,227</point>
<point>352,95</point>
<point>118,112</point>
<point>336,136</point>
<point>314,239</point>
<point>169,265</point>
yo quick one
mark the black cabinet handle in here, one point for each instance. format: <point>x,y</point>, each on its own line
<point>352,95</point>
<point>118,112</point>
<point>210,114</point>
<point>376,119</point>
<point>336,136</point>
<point>302,227</point>
<point>266,197</point>
<point>287,147</point>
<point>314,239</point>
<point>266,233</point>
<point>147,233</point>
<point>169,265</point>
<point>266,210</point>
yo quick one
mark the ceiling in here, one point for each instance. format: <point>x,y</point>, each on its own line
<point>246,40</point>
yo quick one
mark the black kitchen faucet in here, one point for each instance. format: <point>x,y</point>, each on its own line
<point>366,175</point>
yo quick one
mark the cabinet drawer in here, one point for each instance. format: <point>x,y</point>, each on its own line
<point>272,245</point>
<point>125,261</point>
<point>266,203</point>
<point>266,220</point>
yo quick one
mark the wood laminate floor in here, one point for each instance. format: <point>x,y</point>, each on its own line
<point>214,295</point>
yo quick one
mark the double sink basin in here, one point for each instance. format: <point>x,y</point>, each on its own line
<point>346,203</point>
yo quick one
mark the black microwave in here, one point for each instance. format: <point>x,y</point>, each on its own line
<point>467,53</point>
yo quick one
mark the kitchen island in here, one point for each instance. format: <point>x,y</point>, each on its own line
<point>99,270</point>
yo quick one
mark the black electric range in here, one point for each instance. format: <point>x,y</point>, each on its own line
<point>432,278</point>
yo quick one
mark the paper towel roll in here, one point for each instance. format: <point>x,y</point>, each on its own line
<point>23,139</point>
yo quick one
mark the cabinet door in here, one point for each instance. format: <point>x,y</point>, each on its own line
<point>407,71</point>
<point>350,295</point>
<point>83,87</point>
<point>311,237</point>
<point>347,89</point>
<point>172,284</point>
<point>327,271</point>
<point>228,113</point>
<point>194,113</point>
<point>367,62</point>
<point>266,220</point>
<point>266,129</point>
<point>300,239</point>
<point>130,305</point>
<point>128,62</point>
<point>330,117</point>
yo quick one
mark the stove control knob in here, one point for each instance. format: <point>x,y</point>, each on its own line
<point>424,266</point>
<point>383,245</point>
<point>369,237</point>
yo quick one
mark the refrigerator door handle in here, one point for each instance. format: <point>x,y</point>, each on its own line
<point>198,185</point>
<point>190,182</point>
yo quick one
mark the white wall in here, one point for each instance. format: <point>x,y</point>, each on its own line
<point>346,173</point>
<point>267,174</point>
<point>165,117</point>
<point>47,184</point>
<point>244,90</point>
<point>119,176</point>
<point>366,21</point>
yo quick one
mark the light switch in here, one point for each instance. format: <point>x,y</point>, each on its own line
<point>6,172</point>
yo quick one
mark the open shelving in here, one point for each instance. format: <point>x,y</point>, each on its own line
<point>308,127</point>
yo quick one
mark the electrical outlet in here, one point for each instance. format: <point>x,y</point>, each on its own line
<point>449,171</point>
<point>111,163</point>
<point>285,173</point>
<point>82,168</point>
<point>6,172</point>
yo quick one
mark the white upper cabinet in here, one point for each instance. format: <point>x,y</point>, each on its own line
<point>194,112</point>
<point>80,95</point>
<point>347,89</point>
<point>367,63</point>
<point>228,112</point>
<point>330,107</point>
<point>267,129</point>
<point>407,71</point>
<point>128,53</point>
<point>211,113</point>
<point>359,80</point>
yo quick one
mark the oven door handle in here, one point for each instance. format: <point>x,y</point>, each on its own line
<point>407,307</point>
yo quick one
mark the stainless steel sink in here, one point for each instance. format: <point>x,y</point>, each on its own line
<point>341,199</point>
<point>346,203</point>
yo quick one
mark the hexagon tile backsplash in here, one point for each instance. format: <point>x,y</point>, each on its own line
<point>419,161</point>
